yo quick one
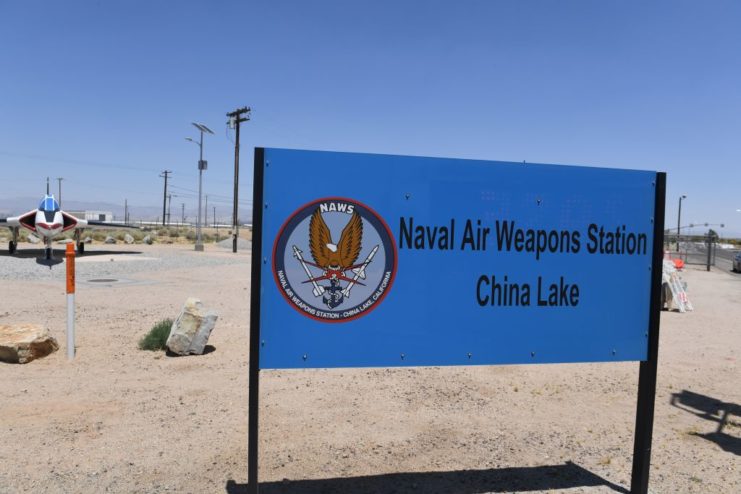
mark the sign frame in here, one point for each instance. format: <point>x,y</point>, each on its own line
<point>647,368</point>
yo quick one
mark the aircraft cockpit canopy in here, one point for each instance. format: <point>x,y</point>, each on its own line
<point>49,205</point>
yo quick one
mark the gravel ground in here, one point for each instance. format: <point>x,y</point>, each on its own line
<point>105,261</point>
<point>118,419</point>
<point>229,244</point>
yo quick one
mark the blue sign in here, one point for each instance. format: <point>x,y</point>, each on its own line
<point>378,261</point>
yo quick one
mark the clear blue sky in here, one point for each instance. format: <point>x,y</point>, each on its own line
<point>103,93</point>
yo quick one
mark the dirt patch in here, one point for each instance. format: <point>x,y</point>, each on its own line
<point>123,420</point>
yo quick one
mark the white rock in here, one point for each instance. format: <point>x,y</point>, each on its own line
<point>22,343</point>
<point>109,240</point>
<point>147,240</point>
<point>33,238</point>
<point>190,331</point>
<point>128,239</point>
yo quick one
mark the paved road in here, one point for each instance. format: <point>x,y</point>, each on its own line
<point>697,253</point>
<point>724,259</point>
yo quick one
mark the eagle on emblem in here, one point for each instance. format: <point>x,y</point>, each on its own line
<point>333,258</point>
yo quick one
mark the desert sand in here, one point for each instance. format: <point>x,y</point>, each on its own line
<point>119,419</point>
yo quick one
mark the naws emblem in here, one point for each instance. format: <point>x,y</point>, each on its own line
<point>334,259</point>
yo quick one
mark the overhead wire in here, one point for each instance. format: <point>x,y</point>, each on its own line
<point>39,157</point>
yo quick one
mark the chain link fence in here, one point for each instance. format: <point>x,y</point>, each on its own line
<point>692,249</point>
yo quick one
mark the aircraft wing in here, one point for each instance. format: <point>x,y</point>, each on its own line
<point>102,225</point>
<point>27,220</point>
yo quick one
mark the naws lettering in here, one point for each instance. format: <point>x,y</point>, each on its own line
<point>336,207</point>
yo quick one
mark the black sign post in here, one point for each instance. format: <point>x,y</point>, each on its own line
<point>648,368</point>
<point>255,285</point>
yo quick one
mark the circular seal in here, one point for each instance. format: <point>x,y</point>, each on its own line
<point>334,259</point>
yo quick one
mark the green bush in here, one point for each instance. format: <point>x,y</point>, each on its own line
<point>157,336</point>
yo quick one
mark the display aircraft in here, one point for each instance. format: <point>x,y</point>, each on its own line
<point>48,221</point>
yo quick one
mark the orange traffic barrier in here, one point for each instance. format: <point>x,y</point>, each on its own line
<point>70,255</point>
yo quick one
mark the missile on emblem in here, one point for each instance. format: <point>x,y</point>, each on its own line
<point>359,272</point>
<point>317,290</point>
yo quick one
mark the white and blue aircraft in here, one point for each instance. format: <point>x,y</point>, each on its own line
<point>48,221</point>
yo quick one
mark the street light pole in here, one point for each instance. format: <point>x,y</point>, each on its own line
<point>202,165</point>
<point>679,217</point>
<point>199,241</point>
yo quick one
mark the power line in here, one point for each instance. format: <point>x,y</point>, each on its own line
<point>194,193</point>
<point>186,189</point>
<point>38,157</point>
<point>183,188</point>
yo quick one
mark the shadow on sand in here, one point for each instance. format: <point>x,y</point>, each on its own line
<point>714,410</point>
<point>206,350</point>
<point>58,254</point>
<point>521,479</point>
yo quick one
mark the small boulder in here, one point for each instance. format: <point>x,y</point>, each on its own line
<point>128,239</point>
<point>190,331</point>
<point>87,240</point>
<point>109,240</point>
<point>147,240</point>
<point>22,343</point>
<point>33,238</point>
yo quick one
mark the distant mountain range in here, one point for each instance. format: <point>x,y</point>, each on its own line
<point>18,205</point>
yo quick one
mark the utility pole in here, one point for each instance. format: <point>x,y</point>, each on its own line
<point>235,118</point>
<point>126,211</point>
<point>165,174</point>
<point>169,203</point>
<point>183,212</point>
<point>205,212</point>
<point>59,199</point>
<point>216,225</point>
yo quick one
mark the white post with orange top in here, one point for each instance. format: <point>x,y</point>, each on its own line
<point>70,255</point>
